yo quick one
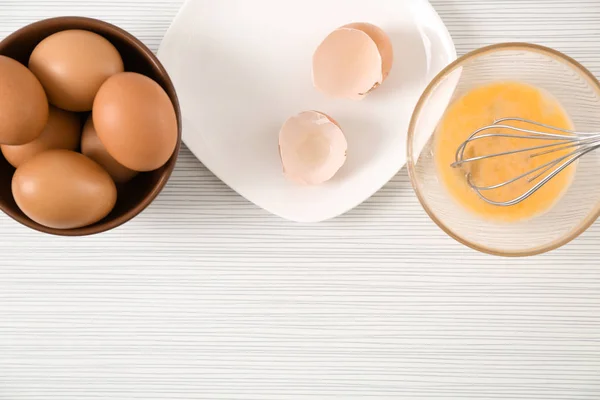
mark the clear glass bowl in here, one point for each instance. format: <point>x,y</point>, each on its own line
<point>579,93</point>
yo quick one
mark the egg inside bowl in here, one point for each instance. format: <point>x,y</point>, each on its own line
<point>473,92</point>
<point>134,195</point>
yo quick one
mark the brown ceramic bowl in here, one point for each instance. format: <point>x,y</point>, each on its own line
<point>134,196</point>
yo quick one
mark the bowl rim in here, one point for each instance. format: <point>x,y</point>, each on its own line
<point>86,23</point>
<point>575,232</point>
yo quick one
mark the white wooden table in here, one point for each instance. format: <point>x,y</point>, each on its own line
<point>205,296</point>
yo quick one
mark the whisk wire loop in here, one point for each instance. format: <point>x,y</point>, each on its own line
<point>582,143</point>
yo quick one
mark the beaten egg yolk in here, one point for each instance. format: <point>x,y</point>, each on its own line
<point>480,107</point>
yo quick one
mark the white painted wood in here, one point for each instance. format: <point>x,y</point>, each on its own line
<point>205,296</point>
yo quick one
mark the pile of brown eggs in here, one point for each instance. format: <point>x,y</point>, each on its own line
<point>75,125</point>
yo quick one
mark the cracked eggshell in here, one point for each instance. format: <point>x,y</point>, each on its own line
<point>383,42</point>
<point>312,147</point>
<point>352,61</point>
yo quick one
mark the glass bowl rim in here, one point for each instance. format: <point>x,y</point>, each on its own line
<point>574,233</point>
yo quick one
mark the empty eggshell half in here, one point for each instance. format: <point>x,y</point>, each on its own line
<point>352,61</point>
<point>312,147</point>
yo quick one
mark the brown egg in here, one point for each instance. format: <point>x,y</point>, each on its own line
<point>23,103</point>
<point>92,147</point>
<point>62,189</point>
<point>62,131</point>
<point>72,65</point>
<point>136,121</point>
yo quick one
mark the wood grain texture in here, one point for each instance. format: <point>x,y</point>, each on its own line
<point>205,296</point>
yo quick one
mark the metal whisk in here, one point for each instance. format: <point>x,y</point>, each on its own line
<point>581,143</point>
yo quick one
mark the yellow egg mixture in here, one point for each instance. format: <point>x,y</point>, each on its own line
<point>483,106</point>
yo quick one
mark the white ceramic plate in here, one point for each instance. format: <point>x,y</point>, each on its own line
<point>242,67</point>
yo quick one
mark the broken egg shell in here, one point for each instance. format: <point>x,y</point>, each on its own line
<point>383,42</point>
<point>352,61</point>
<point>347,64</point>
<point>312,148</point>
